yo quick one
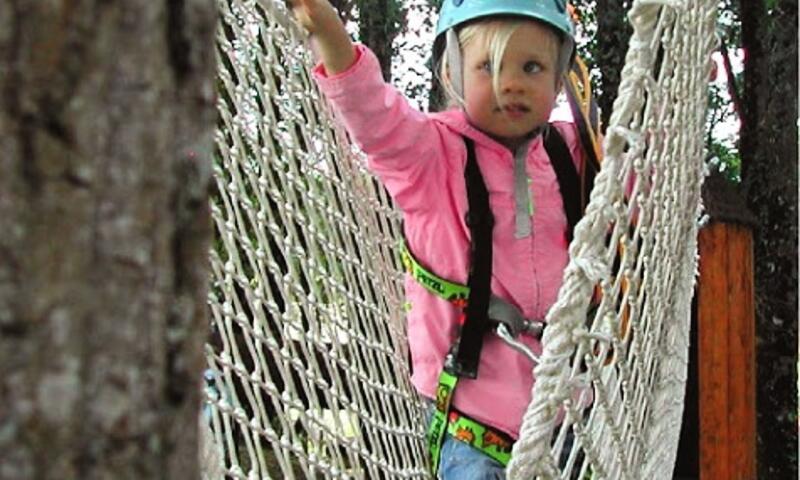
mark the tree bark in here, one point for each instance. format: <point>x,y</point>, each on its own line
<point>106,120</point>
<point>379,22</point>
<point>613,33</point>
<point>769,174</point>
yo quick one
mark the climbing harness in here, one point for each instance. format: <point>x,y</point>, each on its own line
<point>479,308</point>
<point>510,320</point>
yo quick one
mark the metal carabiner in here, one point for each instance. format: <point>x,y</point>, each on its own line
<point>505,334</point>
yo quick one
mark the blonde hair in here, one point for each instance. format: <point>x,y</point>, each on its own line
<point>495,34</point>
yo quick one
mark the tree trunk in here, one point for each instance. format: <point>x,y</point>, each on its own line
<point>379,22</point>
<point>106,116</point>
<point>613,32</point>
<point>769,173</point>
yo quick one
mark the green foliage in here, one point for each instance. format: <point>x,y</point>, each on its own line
<point>725,159</point>
<point>386,17</point>
<point>770,4</point>
<point>723,146</point>
<point>729,23</point>
<point>723,150</point>
<point>602,35</point>
<point>379,23</point>
<point>414,47</point>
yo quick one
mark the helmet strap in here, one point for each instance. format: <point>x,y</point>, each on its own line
<point>454,63</point>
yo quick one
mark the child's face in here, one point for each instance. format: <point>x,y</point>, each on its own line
<point>527,84</point>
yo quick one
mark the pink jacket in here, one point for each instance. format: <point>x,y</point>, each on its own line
<point>421,158</point>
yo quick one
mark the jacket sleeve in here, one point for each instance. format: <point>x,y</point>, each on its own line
<point>403,145</point>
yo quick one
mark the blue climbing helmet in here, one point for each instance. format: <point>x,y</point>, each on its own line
<point>551,12</point>
<point>456,13</point>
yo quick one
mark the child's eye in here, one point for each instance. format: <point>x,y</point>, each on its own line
<point>486,66</point>
<point>532,67</point>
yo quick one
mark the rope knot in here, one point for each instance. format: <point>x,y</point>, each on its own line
<point>591,267</point>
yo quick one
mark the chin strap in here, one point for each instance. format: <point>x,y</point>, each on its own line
<point>453,52</point>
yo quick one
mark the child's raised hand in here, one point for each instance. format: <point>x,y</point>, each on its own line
<point>316,16</point>
<point>330,40</point>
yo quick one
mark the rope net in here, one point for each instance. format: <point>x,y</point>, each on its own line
<point>308,372</point>
<point>307,362</point>
<point>636,245</point>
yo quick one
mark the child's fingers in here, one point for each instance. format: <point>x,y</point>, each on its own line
<point>303,12</point>
<point>316,17</point>
<point>306,5</point>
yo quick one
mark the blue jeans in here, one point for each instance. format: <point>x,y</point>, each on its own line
<point>460,461</point>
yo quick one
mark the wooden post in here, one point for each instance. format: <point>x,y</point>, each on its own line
<point>726,352</point>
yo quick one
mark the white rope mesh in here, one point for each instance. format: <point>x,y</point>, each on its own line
<point>307,366</point>
<point>640,249</point>
<point>308,350</point>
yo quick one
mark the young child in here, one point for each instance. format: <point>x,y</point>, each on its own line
<point>501,62</point>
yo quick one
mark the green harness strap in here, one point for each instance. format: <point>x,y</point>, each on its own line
<point>493,443</point>
<point>452,292</point>
<point>444,395</point>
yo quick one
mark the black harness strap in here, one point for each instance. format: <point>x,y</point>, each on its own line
<point>568,179</point>
<point>466,351</point>
<point>591,163</point>
<point>464,355</point>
